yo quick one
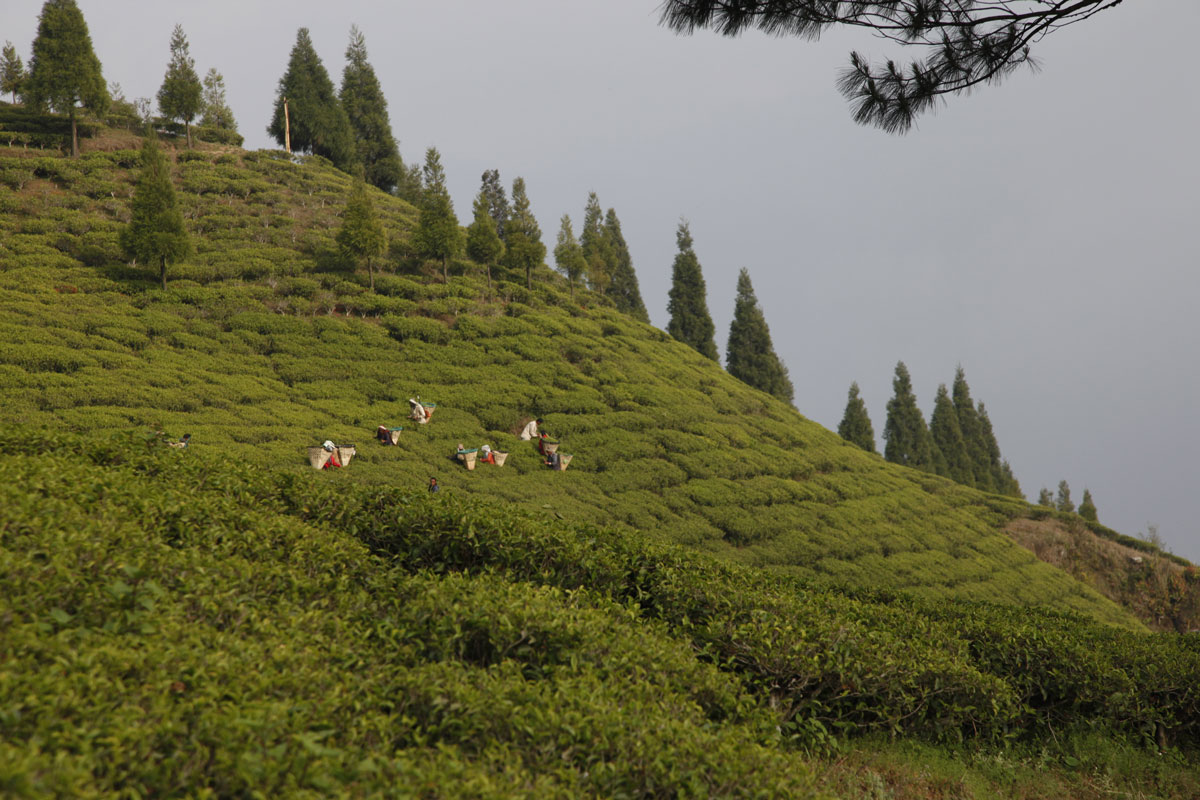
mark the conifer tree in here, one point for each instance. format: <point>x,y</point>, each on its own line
<point>484,245</point>
<point>855,426</point>
<point>366,107</point>
<point>1009,481</point>
<point>623,286</point>
<point>908,439</point>
<point>361,235</point>
<point>498,206</point>
<point>155,233</point>
<point>568,254</point>
<point>64,72</point>
<point>1046,498</point>
<point>687,301</point>
<point>437,235</point>
<point>523,244</point>
<point>750,356</point>
<point>12,71</point>
<point>217,113</point>
<point>181,94</point>
<point>1003,481</point>
<point>316,121</point>
<point>597,248</point>
<point>1087,508</point>
<point>955,464</point>
<point>981,473</point>
<point>1063,501</point>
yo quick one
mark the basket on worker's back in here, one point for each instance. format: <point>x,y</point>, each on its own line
<point>394,434</point>
<point>468,457</point>
<point>345,453</point>
<point>318,457</point>
<point>500,457</point>
<point>549,446</point>
<point>429,409</point>
<point>563,460</point>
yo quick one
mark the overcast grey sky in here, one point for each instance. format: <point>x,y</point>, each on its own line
<point>1039,233</point>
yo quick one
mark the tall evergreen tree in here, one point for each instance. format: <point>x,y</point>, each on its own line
<point>623,285</point>
<point>12,71</point>
<point>908,439</point>
<point>316,121</point>
<point>1063,501</point>
<point>361,236</point>
<point>155,233</point>
<point>568,254</point>
<point>484,245</point>
<point>365,105</point>
<point>750,356</point>
<point>1046,498</point>
<point>1009,481</point>
<point>687,301</point>
<point>181,94</point>
<point>855,426</point>
<point>1087,508</point>
<point>982,475</point>
<point>597,248</point>
<point>523,244</point>
<point>64,72</point>
<point>217,113</point>
<point>1003,480</point>
<point>948,438</point>
<point>498,206</point>
<point>438,235</point>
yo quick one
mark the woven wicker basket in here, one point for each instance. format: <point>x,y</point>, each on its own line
<point>394,435</point>
<point>468,457</point>
<point>563,460</point>
<point>500,457</point>
<point>345,453</point>
<point>317,456</point>
<point>549,447</point>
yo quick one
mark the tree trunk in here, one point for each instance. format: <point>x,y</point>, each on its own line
<point>187,127</point>
<point>371,274</point>
<point>489,274</point>
<point>74,135</point>
<point>445,270</point>
<point>163,272</point>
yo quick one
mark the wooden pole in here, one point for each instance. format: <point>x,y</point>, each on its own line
<point>287,128</point>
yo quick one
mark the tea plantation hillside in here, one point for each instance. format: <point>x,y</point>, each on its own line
<point>175,623</point>
<point>265,343</point>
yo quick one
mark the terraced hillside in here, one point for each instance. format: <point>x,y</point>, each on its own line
<point>265,343</point>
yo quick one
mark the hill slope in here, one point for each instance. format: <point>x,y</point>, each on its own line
<point>265,343</point>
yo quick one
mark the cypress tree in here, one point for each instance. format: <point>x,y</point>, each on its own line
<point>1046,498</point>
<point>855,426</point>
<point>686,302</point>
<point>623,286</point>
<point>982,474</point>
<point>750,356</point>
<point>1063,501</point>
<point>523,243</point>
<point>568,254</point>
<point>361,235</point>
<point>366,107</point>
<point>908,439</point>
<point>1087,508</point>
<point>597,249</point>
<point>12,71</point>
<point>316,120</point>
<point>1009,481</point>
<point>1003,481</point>
<point>497,200</point>
<point>484,245</point>
<point>437,235</point>
<point>181,95</point>
<point>217,113</point>
<point>155,232</point>
<point>955,464</point>
<point>64,72</point>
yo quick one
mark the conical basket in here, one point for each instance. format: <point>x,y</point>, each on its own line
<point>317,456</point>
<point>345,453</point>
<point>563,460</point>
<point>394,435</point>
<point>548,447</point>
<point>468,457</point>
<point>500,457</point>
